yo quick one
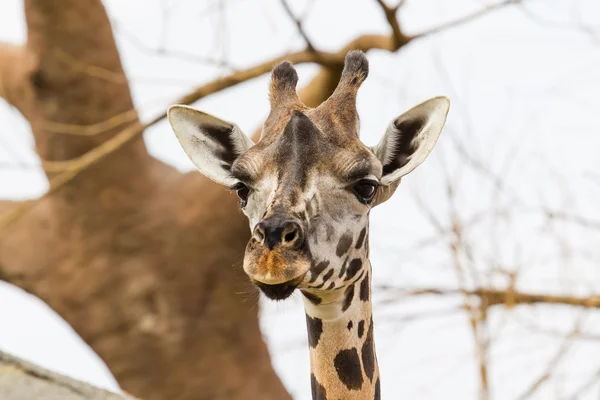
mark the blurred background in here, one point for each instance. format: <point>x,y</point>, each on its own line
<point>120,266</point>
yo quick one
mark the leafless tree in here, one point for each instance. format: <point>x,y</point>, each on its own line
<point>144,269</point>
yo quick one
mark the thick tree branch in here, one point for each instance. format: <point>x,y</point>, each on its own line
<point>21,380</point>
<point>76,75</point>
<point>14,87</point>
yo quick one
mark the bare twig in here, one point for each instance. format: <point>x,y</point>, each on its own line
<point>299,26</point>
<point>181,55</point>
<point>91,70</point>
<point>591,382</point>
<point>552,365</point>
<point>466,18</point>
<point>390,15</point>
<point>92,129</point>
<point>507,297</point>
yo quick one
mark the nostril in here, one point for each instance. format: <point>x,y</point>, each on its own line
<point>275,232</point>
<point>259,232</point>
<point>290,236</point>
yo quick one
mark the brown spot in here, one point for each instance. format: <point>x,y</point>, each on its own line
<point>317,390</point>
<point>328,275</point>
<point>349,326</point>
<point>349,295</point>
<point>361,328</point>
<point>368,354</point>
<point>364,288</point>
<point>377,390</point>
<point>314,326</point>
<point>347,366</point>
<point>329,231</point>
<point>361,238</point>
<point>353,268</point>
<point>344,244</point>
<point>343,269</point>
<point>317,270</point>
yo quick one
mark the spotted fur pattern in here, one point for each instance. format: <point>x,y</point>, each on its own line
<point>310,226</point>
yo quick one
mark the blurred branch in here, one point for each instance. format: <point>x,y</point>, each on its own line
<point>95,71</point>
<point>508,298</point>
<point>581,335</point>
<point>183,56</point>
<point>552,365</point>
<point>591,382</point>
<point>72,168</point>
<point>575,219</point>
<point>467,18</point>
<point>93,129</point>
<point>298,23</point>
<point>458,247</point>
<point>390,15</point>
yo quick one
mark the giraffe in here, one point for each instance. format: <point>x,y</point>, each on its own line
<point>307,187</point>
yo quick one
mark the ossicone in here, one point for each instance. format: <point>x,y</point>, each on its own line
<point>283,85</point>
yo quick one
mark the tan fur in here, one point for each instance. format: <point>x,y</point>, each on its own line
<point>307,188</point>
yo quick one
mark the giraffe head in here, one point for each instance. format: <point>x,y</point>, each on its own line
<point>308,185</point>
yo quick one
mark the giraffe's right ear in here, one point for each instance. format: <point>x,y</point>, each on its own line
<point>211,143</point>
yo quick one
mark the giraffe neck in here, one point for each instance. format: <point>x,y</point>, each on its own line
<point>343,362</point>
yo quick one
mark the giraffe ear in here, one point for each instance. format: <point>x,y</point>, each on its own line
<point>410,138</point>
<point>211,143</point>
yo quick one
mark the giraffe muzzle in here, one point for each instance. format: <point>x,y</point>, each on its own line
<point>277,253</point>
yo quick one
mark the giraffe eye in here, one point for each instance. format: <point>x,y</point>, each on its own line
<point>365,190</point>
<point>242,192</point>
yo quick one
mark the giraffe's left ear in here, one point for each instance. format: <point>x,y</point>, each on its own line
<point>211,143</point>
<point>409,139</point>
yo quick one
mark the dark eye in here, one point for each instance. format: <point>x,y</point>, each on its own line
<point>365,190</point>
<point>242,192</point>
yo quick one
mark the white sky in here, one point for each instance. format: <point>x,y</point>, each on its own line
<point>523,85</point>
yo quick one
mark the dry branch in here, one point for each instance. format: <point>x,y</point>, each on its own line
<point>506,297</point>
<point>390,15</point>
<point>298,24</point>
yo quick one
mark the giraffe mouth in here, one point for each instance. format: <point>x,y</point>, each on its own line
<point>279,291</point>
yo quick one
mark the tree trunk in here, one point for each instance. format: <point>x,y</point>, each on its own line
<point>142,261</point>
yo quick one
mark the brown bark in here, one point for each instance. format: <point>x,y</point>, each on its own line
<point>142,261</point>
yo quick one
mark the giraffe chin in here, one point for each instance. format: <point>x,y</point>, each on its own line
<point>279,291</point>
